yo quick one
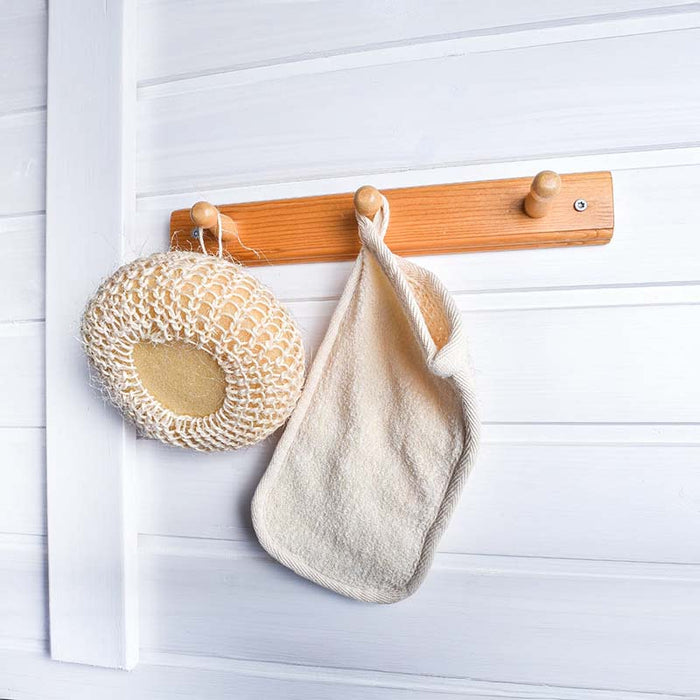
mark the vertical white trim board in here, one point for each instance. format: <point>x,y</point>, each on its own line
<point>90,201</point>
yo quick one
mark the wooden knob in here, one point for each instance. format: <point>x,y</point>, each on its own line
<point>206,216</point>
<point>545,187</point>
<point>368,201</point>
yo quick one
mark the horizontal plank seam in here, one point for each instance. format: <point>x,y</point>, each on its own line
<point>581,40</point>
<point>436,39</point>
<point>22,427</point>
<point>22,214</point>
<point>594,441</point>
<point>188,547</point>
<point>21,321</point>
<point>24,645</point>
<point>22,111</point>
<point>212,188</point>
<point>460,295</point>
<point>520,441</point>
<point>594,423</point>
<point>349,675</point>
<point>188,541</point>
<point>525,290</point>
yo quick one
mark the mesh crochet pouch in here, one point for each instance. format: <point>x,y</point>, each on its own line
<point>370,466</point>
<point>194,351</point>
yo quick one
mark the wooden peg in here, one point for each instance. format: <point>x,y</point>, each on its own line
<point>543,190</point>
<point>205,215</point>
<point>368,201</point>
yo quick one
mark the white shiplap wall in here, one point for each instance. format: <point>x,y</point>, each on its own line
<point>572,567</point>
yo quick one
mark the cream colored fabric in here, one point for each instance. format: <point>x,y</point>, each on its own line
<point>214,306</point>
<point>373,458</point>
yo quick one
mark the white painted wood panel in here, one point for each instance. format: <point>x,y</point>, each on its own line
<point>636,92</point>
<point>582,624</point>
<point>22,55</point>
<point>22,481</point>
<point>623,502</point>
<point>493,622</point>
<point>573,360</point>
<point>253,33</point>
<point>29,676</point>
<point>564,372</point>
<point>23,602</point>
<point>22,362</point>
<point>655,240</point>
<point>22,167</point>
<point>90,482</point>
<point>618,364</point>
<point>22,268</point>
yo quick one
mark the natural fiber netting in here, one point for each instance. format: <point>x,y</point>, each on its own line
<point>194,351</point>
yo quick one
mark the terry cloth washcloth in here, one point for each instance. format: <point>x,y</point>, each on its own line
<point>370,466</point>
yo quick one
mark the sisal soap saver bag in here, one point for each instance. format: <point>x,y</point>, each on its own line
<point>370,466</point>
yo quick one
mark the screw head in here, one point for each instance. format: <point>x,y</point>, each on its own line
<point>580,205</point>
<point>195,233</point>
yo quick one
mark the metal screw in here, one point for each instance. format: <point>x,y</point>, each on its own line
<point>195,233</point>
<point>580,205</point>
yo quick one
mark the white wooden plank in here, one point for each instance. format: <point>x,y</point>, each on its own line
<point>522,500</point>
<point>282,133</point>
<point>252,33</point>
<point>194,495</point>
<point>22,362</point>
<point>23,603</point>
<point>616,364</point>
<point>22,54</point>
<point>516,620</point>
<point>22,481</point>
<point>22,268</point>
<point>586,363</point>
<point>553,332</point>
<point>30,676</point>
<point>22,167</point>
<point>615,26</point>
<point>491,597</point>
<point>92,549</point>
<point>596,502</point>
<point>592,434</point>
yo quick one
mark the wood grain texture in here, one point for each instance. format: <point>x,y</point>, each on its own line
<point>522,499</point>
<point>23,387</point>
<point>423,113</point>
<point>653,327</point>
<point>23,481</point>
<point>457,218</point>
<point>513,619</point>
<point>91,146</point>
<point>22,55</point>
<point>23,163</point>
<point>563,373</point>
<point>22,262</point>
<point>567,616</point>
<point>637,254</point>
<point>23,603</point>
<point>251,33</point>
<point>26,674</point>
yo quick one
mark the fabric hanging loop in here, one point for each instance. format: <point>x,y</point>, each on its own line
<point>372,461</point>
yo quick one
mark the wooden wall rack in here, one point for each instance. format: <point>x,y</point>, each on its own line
<point>546,211</point>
